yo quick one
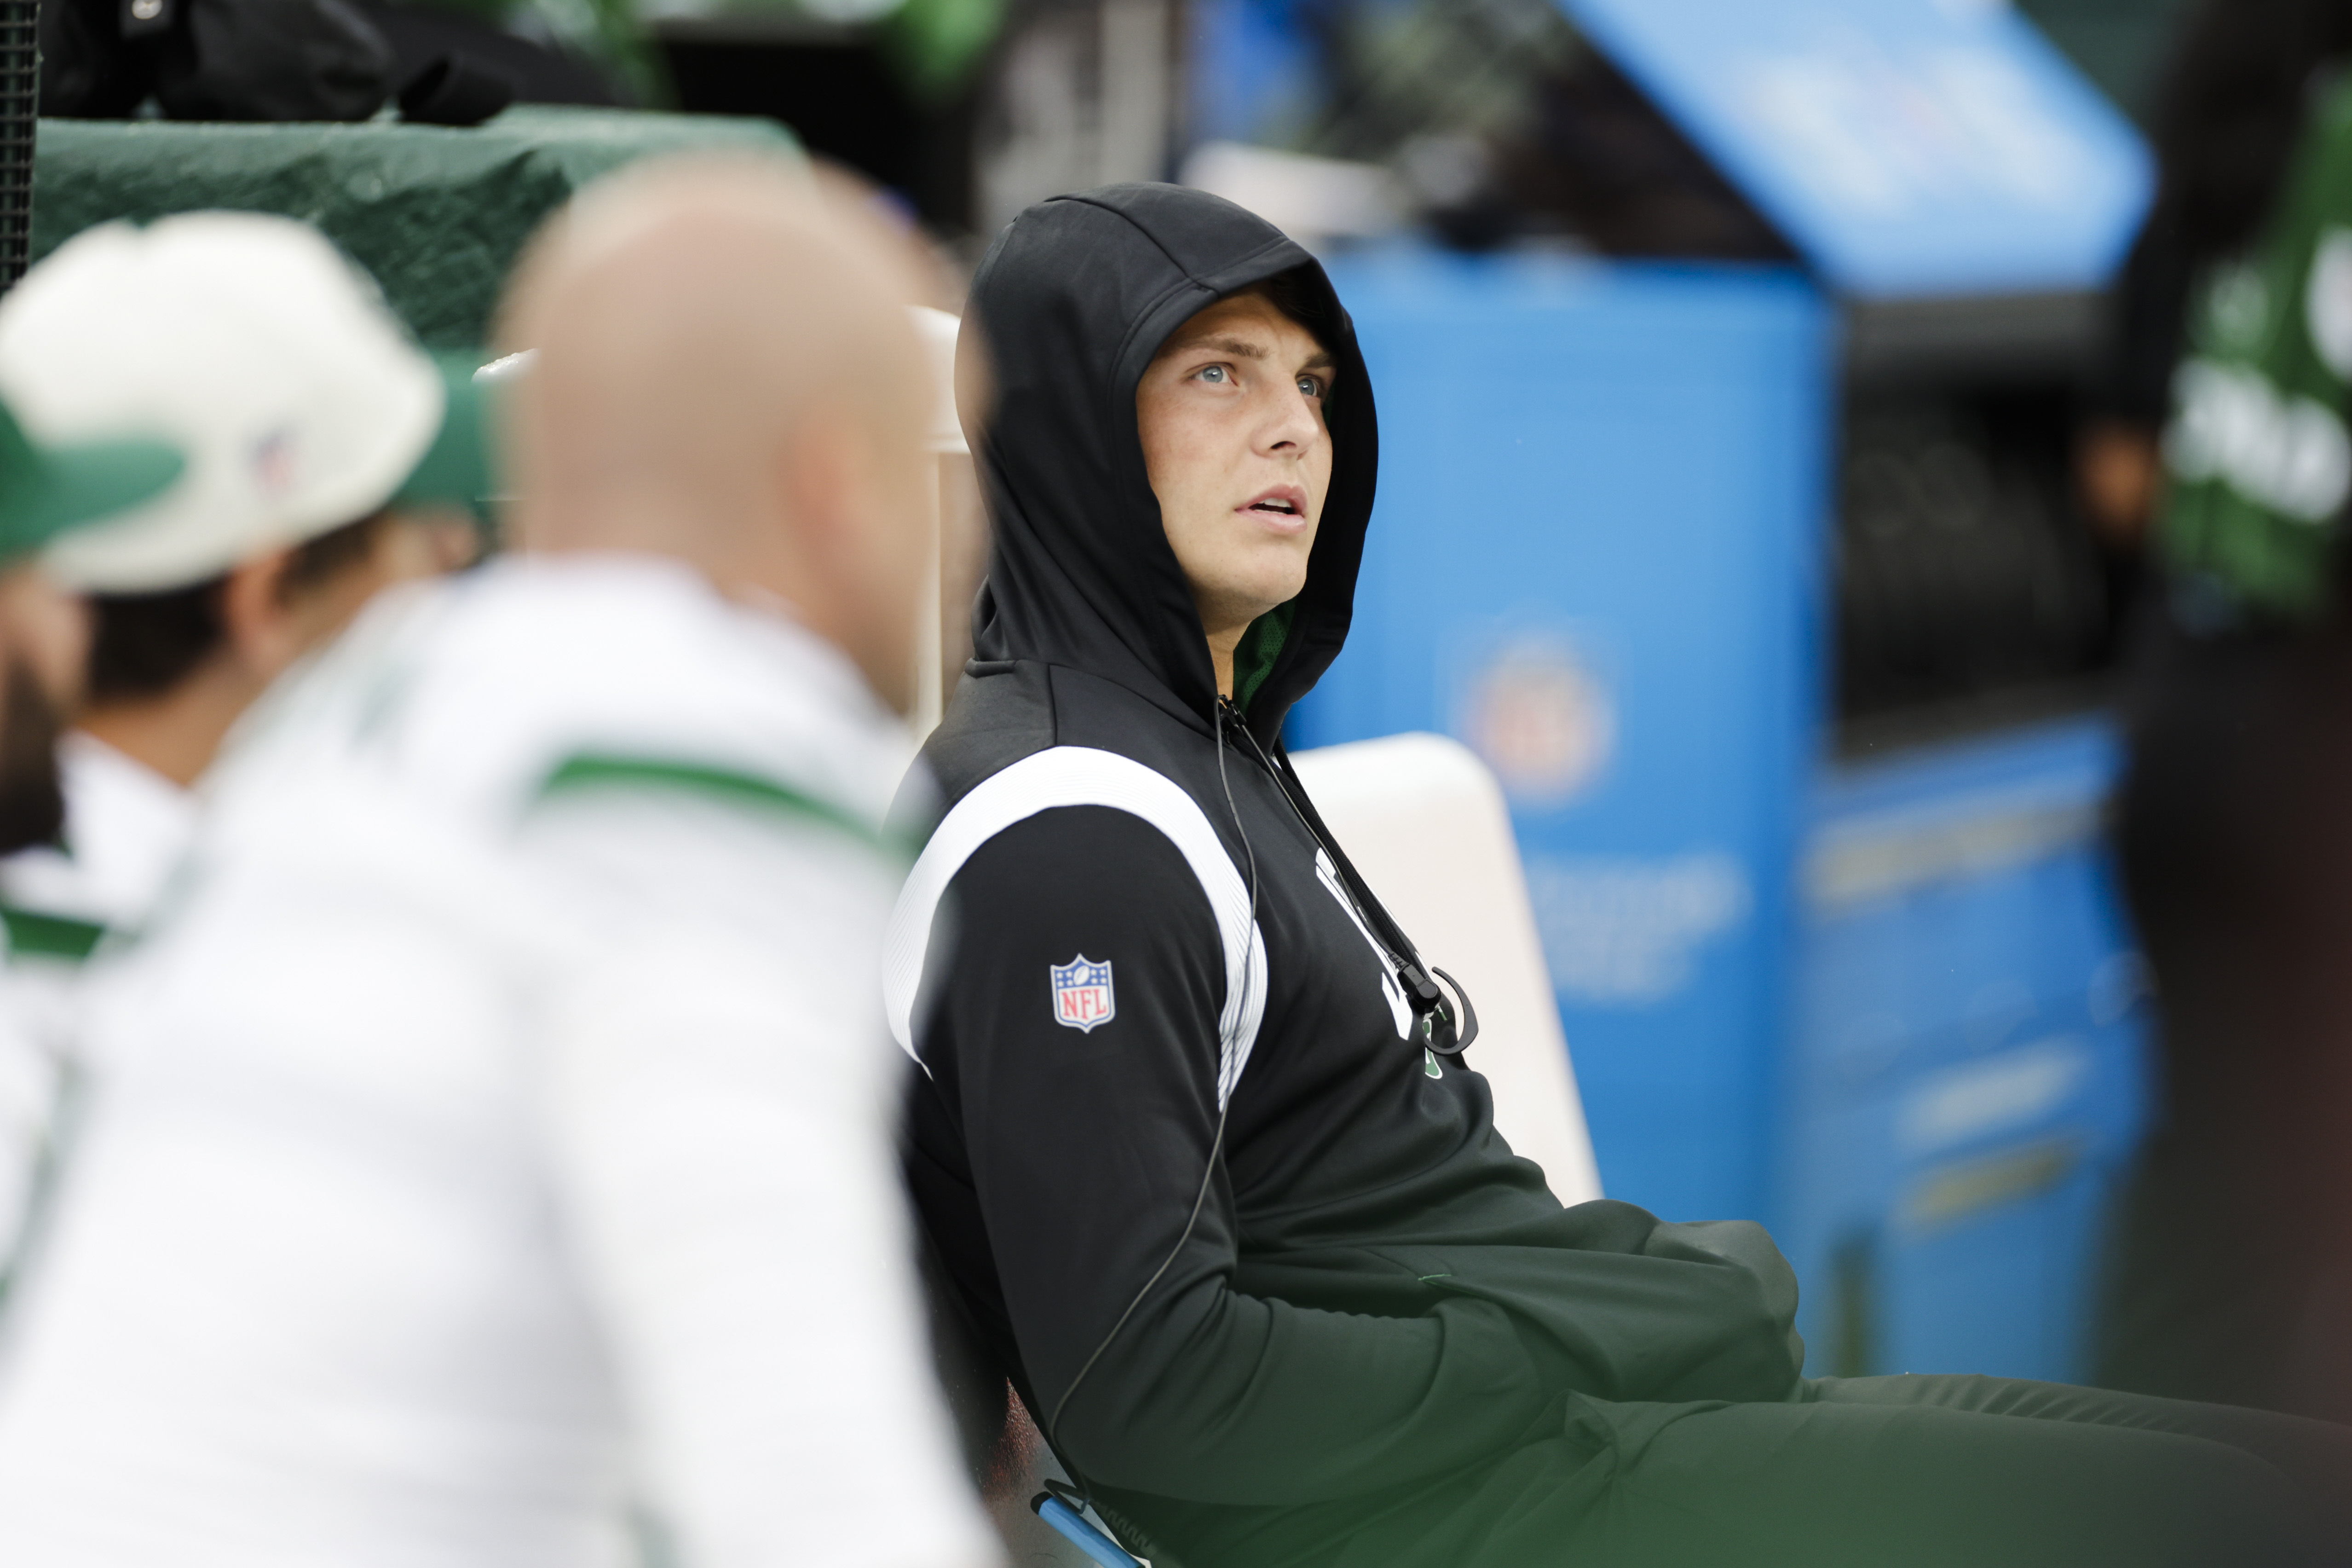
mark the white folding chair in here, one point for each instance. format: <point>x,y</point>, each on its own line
<point>1423,819</point>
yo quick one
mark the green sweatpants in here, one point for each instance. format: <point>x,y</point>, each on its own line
<point>1895,1472</point>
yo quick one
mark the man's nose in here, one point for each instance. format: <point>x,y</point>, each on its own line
<point>1290,423</point>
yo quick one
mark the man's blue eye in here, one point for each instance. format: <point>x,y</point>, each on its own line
<point>1214,374</point>
<point>1310,387</point>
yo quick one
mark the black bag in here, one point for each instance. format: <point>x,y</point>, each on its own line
<point>212,59</point>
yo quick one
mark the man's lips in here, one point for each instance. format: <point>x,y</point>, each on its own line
<point>1283,506</point>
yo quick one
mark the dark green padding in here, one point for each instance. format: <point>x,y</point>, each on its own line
<point>437,215</point>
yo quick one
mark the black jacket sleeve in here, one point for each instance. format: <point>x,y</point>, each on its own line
<point>1088,1153</point>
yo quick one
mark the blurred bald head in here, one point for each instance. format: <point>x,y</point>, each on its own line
<point>725,373</point>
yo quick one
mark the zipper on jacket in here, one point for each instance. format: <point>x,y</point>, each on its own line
<point>1441,1031</point>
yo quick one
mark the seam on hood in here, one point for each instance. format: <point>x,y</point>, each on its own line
<point>1187,278</point>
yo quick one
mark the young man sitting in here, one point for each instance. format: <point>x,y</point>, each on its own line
<point>1187,1137</point>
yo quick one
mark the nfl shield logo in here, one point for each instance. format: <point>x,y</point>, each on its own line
<point>1082,994</point>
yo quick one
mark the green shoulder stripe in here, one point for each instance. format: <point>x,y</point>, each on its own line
<point>34,935</point>
<point>591,771</point>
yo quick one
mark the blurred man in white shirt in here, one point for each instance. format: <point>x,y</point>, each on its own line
<point>325,453</point>
<point>47,489</point>
<point>494,1145</point>
<point>43,640</point>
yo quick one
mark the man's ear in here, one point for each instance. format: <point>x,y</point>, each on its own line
<point>847,559</point>
<point>261,629</point>
<point>821,467</point>
<point>48,628</point>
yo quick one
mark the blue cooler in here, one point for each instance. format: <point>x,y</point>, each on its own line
<point>1967,1069</point>
<point>1594,561</point>
<point>1889,1009</point>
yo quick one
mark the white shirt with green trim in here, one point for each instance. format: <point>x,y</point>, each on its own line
<point>126,827</point>
<point>494,1144</point>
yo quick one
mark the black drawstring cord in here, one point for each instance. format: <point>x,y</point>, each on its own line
<point>1442,1030</point>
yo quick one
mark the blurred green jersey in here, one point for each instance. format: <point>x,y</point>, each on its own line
<point>2257,452</point>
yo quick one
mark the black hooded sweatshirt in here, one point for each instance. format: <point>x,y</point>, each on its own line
<point>1248,1347</point>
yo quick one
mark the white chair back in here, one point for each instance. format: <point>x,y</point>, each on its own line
<point>1424,821</point>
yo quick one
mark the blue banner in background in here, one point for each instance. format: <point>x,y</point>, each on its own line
<point>1890,1009</point>
<point>1904,146</point>
<point>1255,74</point>
<point>1966,1074</point>
<point>1598,558</point>
<point>1594,561</point>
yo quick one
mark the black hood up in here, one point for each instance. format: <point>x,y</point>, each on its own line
<point>1072,302</point>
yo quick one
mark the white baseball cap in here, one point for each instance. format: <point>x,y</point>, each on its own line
<point>249,342</point>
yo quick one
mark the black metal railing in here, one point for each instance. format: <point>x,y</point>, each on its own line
<point>20,95</point>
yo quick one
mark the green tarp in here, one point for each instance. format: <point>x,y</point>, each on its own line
<point>436,214</point>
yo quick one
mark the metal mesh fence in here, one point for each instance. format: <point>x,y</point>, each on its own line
<point>20,92</point>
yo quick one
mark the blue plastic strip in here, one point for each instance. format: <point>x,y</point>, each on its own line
<point>1084,1536</point>
<point>1906,147</point>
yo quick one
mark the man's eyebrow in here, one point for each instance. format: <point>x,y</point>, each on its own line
<point>1239,348</point>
